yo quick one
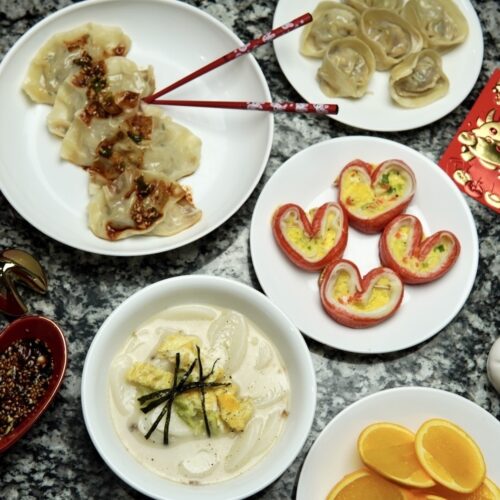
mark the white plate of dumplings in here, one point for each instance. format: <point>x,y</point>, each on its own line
<point>39,175</point>
<point>376,110</point>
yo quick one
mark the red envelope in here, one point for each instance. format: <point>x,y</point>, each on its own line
<point>472,159</point>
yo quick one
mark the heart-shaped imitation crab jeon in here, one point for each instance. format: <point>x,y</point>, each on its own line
<point>417,259</point>
<point>312,240</point>
<point>359,302</point>
<point>373,195</point>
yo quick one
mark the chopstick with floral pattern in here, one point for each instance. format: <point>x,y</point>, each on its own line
<point>234,54</point>
<point>286,107</point>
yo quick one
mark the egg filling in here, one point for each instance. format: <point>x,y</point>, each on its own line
<point>379,296</point>
<point>365,199</point>
<point>315,248</point>
<point>399,246</point>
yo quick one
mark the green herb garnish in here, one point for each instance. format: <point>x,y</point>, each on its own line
<point>202,392</point>
<point>105,151</point>
<point>137,138</point>
<point>385,178</point>
<point>167,396</point>
<point>439,248</point>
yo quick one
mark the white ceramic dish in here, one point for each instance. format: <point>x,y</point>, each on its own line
<point>375,110</point>
<point>334,454</point>
<point>307,179</point>
<point>52,194</point>
<point>217,292</point>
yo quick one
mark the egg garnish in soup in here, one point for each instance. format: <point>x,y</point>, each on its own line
<point>199,394</point>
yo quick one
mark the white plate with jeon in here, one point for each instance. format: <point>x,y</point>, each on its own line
<point>334,455</point>
<point>375,110</point>
<point>51,194</point>
<point>307,179</point>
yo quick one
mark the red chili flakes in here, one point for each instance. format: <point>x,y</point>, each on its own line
<point>26,367</point>
<point>119,50</point>
<point>77,43</point>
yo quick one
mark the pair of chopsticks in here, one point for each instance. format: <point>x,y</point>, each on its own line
<point>287,107</point>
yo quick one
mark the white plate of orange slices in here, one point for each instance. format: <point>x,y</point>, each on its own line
<point>408,443</point>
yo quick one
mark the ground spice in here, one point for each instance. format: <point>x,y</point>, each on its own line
<point>26,367</point>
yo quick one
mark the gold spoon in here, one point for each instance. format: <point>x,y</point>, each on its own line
<point>18,266</point>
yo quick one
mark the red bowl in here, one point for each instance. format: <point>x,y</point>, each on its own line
<point>36,327</point>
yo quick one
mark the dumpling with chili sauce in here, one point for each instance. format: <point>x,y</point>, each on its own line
<point>331,21</point>
<point>120,86</point>
<point>389,36</point>
<point>347,68</point>
<point>86,143</point>
<point>440,22</point>
<point>174,150</point>
<point>59,56</point>
<point>361,5</point>
<point>418,80</point>
<point>148,140</point>
<point>140,202</point>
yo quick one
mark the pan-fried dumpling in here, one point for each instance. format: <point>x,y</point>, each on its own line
<point>84,142</point>
<point>347,67</point>
<point>174,151</point>
<point>441,22</point>
<point>140,202</point>
<point>361,5</point>
<point>389,36</point>
<point>331,20</point>
<point>121,77</point>
<point>418,80</point>
<point>148,140</point>
<point>55,60</point>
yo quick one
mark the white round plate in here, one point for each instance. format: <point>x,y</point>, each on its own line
<point>333,455</point>
<point>375,110</point>
<point>306,179</point>
<point>219,292</point>
<point>52,194</point>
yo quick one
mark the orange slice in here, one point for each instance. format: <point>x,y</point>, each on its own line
<point>366,485</point>
<point>419,495</point>
<point>450,456</point>
<point>487,491</point>
<point>389,449</point>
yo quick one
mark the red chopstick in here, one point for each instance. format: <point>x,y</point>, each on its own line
<point>234,54</point>
<point>286,107</point>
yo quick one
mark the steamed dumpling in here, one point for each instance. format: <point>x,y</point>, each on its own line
<point>140,202</point>
<point>418,80</point>
<point>59,56</point>
<point>389,36</point>
<point>147,139</point>
<point>440,22</point>
<point>361,5</point>
<point>347,68</point>
<point>121,79</point>
<point>331,21</point>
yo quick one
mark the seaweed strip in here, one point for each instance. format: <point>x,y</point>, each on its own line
<point>202,392</point>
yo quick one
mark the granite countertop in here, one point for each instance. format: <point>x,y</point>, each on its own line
<point>57,459</point>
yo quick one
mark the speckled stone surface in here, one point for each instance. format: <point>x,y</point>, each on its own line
<point>57,459</point>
